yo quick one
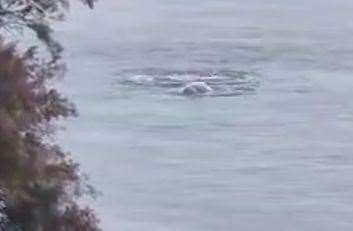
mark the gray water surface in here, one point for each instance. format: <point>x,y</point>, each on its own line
<point>270,148</point>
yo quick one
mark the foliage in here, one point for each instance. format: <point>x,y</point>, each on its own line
<point>40,183</point>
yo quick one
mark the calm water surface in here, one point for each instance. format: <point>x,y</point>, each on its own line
<point>269,148</point>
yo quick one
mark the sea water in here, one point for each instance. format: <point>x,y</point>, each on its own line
<point>268,148</point>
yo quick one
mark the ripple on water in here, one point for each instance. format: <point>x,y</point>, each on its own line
<point>191,83</point>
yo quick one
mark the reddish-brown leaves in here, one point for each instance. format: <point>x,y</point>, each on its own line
<point>39,178</point>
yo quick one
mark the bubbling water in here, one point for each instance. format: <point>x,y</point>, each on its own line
<point>191,83</point>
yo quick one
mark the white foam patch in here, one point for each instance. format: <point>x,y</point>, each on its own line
<point>213,83</point>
